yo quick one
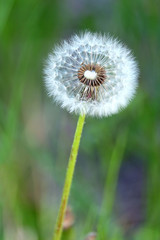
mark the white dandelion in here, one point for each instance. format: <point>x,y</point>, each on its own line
<point>91,74</point>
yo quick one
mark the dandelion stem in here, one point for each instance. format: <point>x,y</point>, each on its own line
<point>68,179</point>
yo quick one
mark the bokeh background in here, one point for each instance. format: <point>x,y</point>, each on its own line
<point>116,189</point>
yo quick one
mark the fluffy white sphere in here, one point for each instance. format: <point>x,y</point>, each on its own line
<point>91,74</point>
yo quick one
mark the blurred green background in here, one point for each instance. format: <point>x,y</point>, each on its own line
<point>116,189</point>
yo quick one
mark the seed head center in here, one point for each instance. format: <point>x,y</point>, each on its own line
<point>90,74</point>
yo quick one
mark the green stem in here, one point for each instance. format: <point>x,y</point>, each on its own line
<point>69,177</point>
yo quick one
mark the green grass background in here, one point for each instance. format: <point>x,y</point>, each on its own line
<point>116,189</point>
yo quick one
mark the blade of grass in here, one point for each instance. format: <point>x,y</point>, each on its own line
<point>110,187</point>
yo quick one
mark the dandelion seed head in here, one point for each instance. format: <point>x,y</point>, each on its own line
<point>91,74</point>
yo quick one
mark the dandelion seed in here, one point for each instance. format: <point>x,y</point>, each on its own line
<point>91,74</point>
